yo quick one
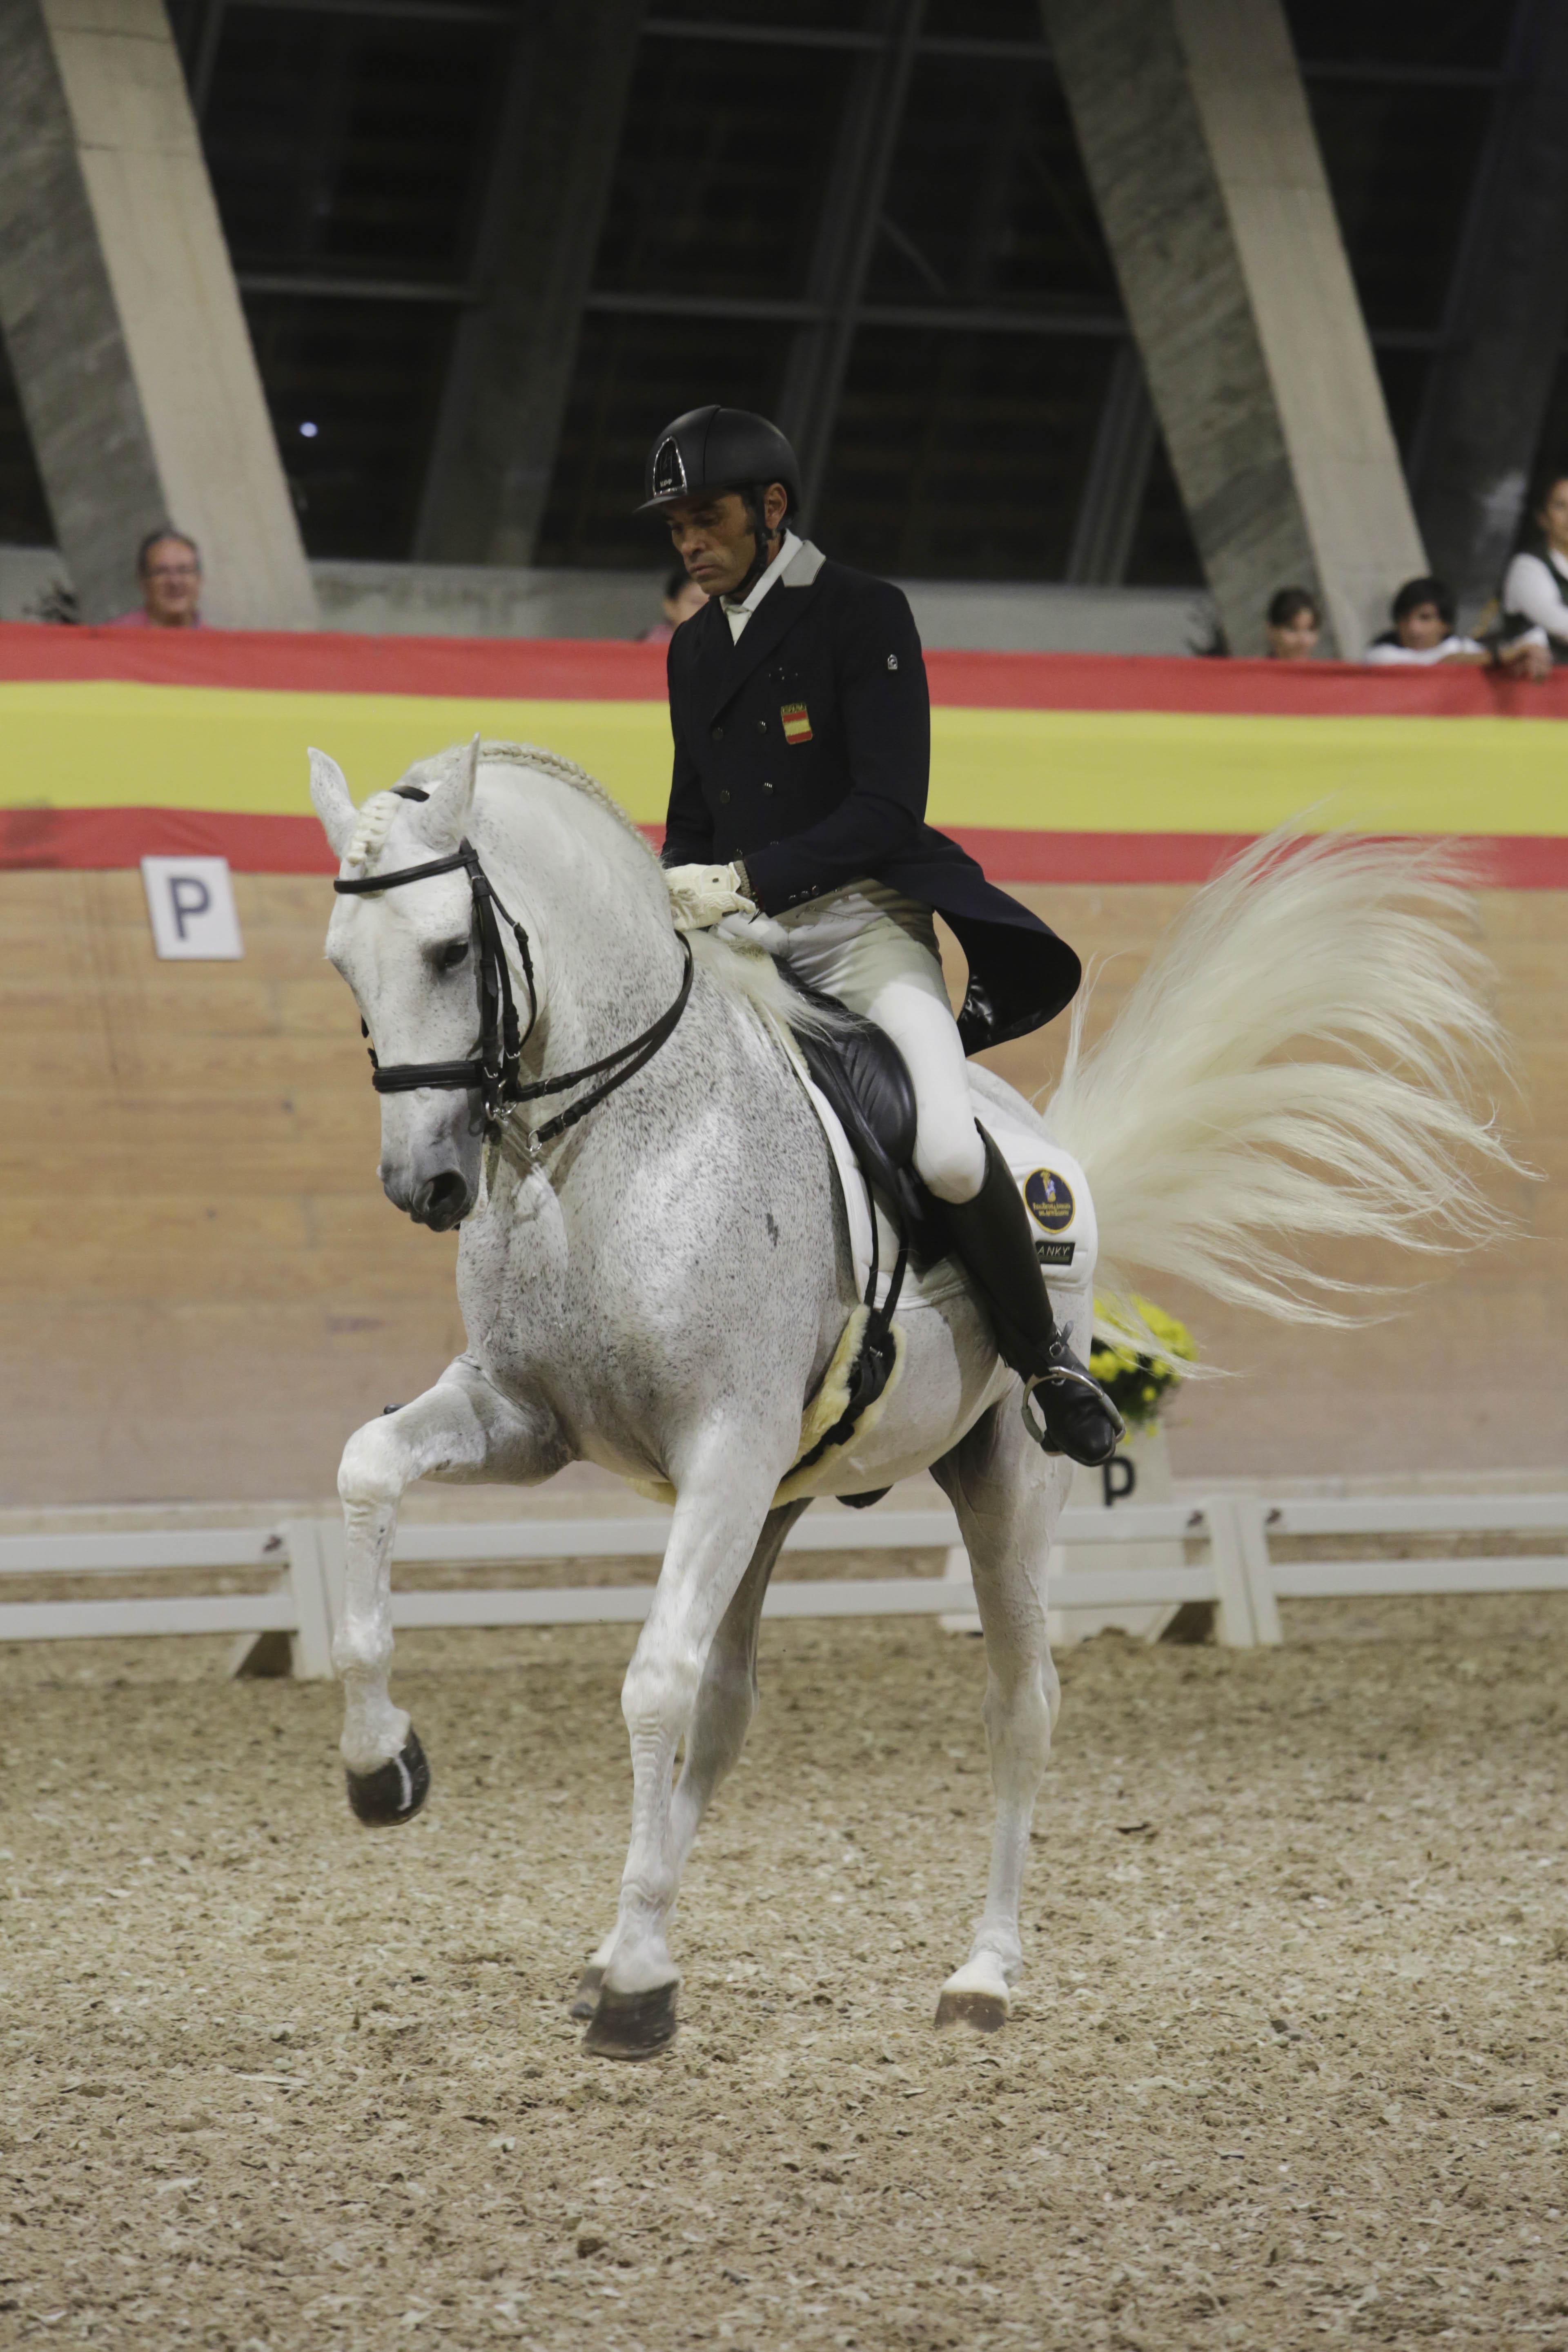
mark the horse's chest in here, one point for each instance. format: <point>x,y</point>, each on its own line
<point>514,1280</point>
<point>542,1296</point>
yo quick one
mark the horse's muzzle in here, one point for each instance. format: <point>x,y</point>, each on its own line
<point>441,1201</point>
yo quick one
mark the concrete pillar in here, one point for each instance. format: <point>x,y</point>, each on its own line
<point>1487,394</point>
<point>1194,132</point>
<point>123,322</point>
<point>489,478</point>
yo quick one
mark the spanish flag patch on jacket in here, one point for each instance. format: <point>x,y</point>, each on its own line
<point>796,723</point>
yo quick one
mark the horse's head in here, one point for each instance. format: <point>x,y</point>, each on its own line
<point>407,954</point>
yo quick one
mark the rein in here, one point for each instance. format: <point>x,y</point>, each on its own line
<point>493,1069</point>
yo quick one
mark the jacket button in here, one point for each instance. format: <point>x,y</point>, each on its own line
<point>723,800</point>
<point>717,734</point>
<point>761,725</point>
<point>767,788</point>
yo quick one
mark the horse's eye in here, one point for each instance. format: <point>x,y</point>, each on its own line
<point>454,953</point>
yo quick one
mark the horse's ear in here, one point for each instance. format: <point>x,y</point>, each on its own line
<point>443,819</point>
<point>331,799</point>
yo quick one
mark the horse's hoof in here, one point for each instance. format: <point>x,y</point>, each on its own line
<point>632,2025</point>
<point>396,1791</point>
<point>983,2013</point>
<point>585,1999</point>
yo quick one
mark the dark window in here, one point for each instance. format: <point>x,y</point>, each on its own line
<point>724,164</point>
<point>961,456</point>
<point>24,509</point>
<point>987,20</point>
<point>1164,554</point>
<point>1448,33</point>
<point>800,16</point>
<point>632,376</point>
<point>1404,375</point>
<point>987,201</point>
<point>1400,164</point>
<point>342,142</point>
<point>353,389</point>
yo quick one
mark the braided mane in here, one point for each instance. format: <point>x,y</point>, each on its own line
<point>555,763</point>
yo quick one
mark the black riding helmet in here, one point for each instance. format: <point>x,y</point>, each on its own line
<point>718,449</point>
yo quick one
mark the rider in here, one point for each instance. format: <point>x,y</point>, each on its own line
<point>802,725</point>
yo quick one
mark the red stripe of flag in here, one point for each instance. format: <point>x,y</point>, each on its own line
<point>87,839</point>
<point>546,669</point>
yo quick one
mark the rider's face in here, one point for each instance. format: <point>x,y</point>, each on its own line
<point>713,536</point>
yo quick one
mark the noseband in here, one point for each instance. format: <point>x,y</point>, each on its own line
<point>492,1070</point>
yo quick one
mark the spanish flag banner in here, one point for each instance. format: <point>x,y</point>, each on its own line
<point>1067,767</point>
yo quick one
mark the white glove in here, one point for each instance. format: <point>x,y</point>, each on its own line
<point>758,932</point>
<point>701,894</point>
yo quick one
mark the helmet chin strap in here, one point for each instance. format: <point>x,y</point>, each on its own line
<point>761,555</point>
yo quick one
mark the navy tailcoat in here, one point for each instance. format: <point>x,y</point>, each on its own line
<point>805,749</point>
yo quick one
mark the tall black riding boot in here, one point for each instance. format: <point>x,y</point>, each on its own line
<point>992,1235</point>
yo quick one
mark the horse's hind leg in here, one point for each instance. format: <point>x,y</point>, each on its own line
<point>1007,1497</point>
<point>726,1702</point>
<point>459,1429</point>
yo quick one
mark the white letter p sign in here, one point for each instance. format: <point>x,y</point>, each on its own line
<point>191,902</point>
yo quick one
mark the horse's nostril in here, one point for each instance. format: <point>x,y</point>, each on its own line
<point>446,1198</point>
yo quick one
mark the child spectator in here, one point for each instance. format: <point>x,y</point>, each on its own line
<point>1293,623</point>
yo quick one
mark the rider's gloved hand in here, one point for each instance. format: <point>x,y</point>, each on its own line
<point>701,895</point>
<point>756,931</point>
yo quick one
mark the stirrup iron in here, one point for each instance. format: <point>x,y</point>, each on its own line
<point>1069,1374</point>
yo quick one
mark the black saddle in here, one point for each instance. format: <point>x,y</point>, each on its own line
<point>865,1077</point>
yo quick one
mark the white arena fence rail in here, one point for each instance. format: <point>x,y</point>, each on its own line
<point>1239,1576</point>
<point>296,1605</point>
<point>1269,1582</point>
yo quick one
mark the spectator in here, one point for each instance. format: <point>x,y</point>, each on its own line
<point>682,597</point>
<point>1293,623</point>
<point>169,566</point>
<point>1424,635</point>
<point>1535,585</point>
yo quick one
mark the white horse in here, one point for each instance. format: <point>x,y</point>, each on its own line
<point>661,1287</point>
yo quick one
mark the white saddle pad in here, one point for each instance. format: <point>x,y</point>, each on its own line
<point>1055,1190</point>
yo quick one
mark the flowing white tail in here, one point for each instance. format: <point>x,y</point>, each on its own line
<point>1304,1056</point>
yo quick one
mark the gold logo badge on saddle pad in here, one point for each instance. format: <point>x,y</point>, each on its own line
<point>796,723</point>
<point>1049,1199</point>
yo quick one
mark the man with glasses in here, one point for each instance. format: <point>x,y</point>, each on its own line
<point>169,566</point>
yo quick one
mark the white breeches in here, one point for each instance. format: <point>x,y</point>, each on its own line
<point>886,966</point>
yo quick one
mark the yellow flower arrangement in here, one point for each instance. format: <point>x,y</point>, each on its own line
<point>1134,1383</point>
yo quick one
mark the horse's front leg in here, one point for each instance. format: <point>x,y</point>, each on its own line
<point>726,1702</point>
<point>1008,1497</point>
<point>462,1428</point>
<point>719,1519</point>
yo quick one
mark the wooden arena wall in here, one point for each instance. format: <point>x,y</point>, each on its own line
<point>202,1289</point>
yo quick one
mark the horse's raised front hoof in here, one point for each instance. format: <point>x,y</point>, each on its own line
<point>983,2013</point>
<point>396,1791</point>
<point>632,2025</point>
<point>585,1999</point>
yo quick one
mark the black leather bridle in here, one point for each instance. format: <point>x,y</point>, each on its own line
<point>493,1069</point>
